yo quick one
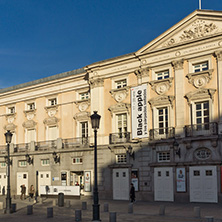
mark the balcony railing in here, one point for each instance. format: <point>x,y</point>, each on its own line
<point>115,138</point>
<point>74,142</point>
<point>162,133</point>
<point>21,147</point>
<point>204,129</point>
<point>45,145</point>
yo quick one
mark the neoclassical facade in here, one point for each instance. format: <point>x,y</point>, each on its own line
<point>160,128</point>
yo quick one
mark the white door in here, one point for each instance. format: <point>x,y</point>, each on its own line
<point>44,179</point>
<point>163,184</point>
<point>121,184</point>
<point>203,184</point>
<point>3,182</point>
<point>22,178</point>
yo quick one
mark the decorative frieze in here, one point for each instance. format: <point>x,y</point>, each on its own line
<point>142,72</point>
<point>119,107</point>
<point>10,126</point>
<point>51,121</point>
<point>119,94</point>
<point>161,86</point>
<point>161,100</point>
<point>200,79</point>
<point>82,116</point>
<point>29,124</point>
<point>200,94</point>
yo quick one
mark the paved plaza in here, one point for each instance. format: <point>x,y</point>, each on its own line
<point>142,211</point>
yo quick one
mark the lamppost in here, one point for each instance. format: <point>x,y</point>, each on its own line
<point>95,118</point>
<point>8,138</point>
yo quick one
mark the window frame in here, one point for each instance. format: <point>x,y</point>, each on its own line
<point>121,158</point>
<point>47,162</point>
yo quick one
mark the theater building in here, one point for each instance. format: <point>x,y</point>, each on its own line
<point>160,128</point>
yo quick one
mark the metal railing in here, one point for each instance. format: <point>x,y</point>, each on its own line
<point>162,133</point>
<point>202,129</point>
<point>115,138</point>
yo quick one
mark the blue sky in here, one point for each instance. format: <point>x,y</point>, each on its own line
<point>40,38</point>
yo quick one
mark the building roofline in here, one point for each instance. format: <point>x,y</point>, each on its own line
<point>43,80</point>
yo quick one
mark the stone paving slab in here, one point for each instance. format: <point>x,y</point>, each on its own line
<point>142,211</point>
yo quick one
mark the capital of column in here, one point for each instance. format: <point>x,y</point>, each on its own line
<point>177,64</point>
<point>218,55</point>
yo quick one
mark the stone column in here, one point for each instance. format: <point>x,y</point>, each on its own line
<point>179,96</point>
<point>218,56</point>
<point>97,102</point>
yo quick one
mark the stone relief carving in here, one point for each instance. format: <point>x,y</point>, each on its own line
<point>161,86</point>
<point>120,94</point>
<point>83,104</point>
<point>198,29</point>
<point>83,116</point>
<point>200,94</point>
<point>200,79</point>
<point>10,118</point>
<point>142,72</point>
<point>51,111</point>
<point>119,107</point>
<point>162,100</point>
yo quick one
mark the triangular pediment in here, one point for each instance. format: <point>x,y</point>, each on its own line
<point>198,25</point>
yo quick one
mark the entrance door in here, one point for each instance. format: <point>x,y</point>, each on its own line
<point>3,182</point>
<point>121,184</point>
<point>203,184</point>
<point>22,178</point>
<point>163,184</point>
<point>44,178</point>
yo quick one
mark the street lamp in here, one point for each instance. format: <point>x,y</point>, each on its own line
<point>8,138</point>
<point>95,118</point>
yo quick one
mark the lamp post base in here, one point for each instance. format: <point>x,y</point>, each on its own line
<point>96,216</point>
<point>8,205</point>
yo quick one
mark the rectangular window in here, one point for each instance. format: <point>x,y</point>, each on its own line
<point>84,95</point>
<point>77,160</point>
<point>163,156</point>
<point>122,125</point>
<point>121,158</point>
<point>30,135</point>
<point>22,163</point>
<point>162,75</point>
<point>163,120</point>
<point>52,102</point>
<point>200,67</point>
<point>45,162</point>
<point>121,83</point>
<point>3,164</point>
<point>11,109</point>
<point>209,173</point>
<point>84,129</point>
<point>30,106</point>
<point>196,173</point>
<point>202,115</point>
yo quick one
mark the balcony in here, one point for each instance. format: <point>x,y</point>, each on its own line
<point>204,129</point>
<point>75,142</point>
<point>45,145</point>
<point>115,138</point>
<point>21,147</point>
<point>162,133</point>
